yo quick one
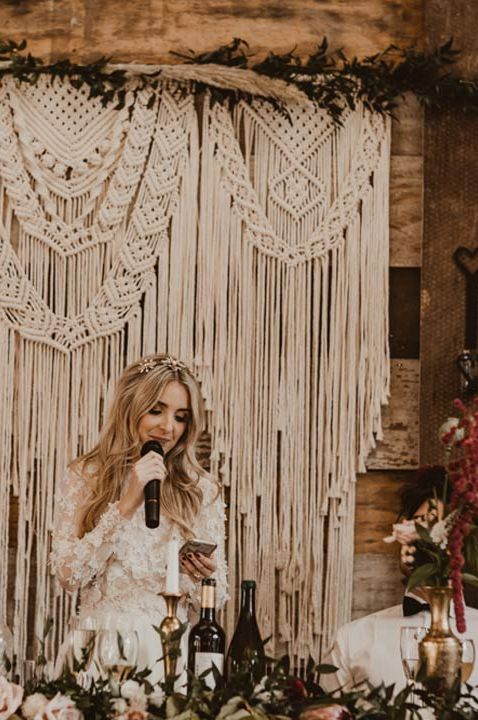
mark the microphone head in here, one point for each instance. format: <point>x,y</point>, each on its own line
<point>153,445</point>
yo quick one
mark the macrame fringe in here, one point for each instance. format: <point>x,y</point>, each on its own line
<point>258,253</point>
<point>7,368</point>
<point>297,355</point>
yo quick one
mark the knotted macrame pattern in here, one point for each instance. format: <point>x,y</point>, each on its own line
<point>253,245</point>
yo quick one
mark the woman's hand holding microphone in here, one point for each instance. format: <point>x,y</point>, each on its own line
<point>150,467</point>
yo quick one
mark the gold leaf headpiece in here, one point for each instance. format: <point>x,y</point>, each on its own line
<point>149,363</point>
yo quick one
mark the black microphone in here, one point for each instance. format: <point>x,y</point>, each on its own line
<point>152,489</point>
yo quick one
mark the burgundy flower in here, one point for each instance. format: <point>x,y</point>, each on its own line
<point>295,690</point>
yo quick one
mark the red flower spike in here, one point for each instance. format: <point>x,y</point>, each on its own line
<point>463,478</point>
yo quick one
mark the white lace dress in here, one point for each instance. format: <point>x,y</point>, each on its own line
<point>120,565</point>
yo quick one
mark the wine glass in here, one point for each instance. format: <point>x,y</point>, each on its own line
<point>81,648</point>
<point>468,659</point>
<point>409,640</point>
<point>118,652</point>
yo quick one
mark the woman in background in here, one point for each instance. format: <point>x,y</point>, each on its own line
<point>101,545</point>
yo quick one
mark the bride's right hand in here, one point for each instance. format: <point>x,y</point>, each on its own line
<point>149,467</point>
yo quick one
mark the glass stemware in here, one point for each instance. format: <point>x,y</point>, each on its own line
<point>81,645</point>
<point>468,659</point>
<point>409,640</point>
<point>117,652</point>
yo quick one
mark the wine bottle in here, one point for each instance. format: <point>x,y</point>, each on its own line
<point>207,639</point>
<point>246,651</point>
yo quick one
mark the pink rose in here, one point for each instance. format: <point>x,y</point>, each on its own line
<point>34,705</point>
<point>10,697</point>
<point>136,714</point>
<point>60,707</point>
<point>325,712</point>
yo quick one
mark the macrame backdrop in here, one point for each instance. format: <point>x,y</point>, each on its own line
<point>252,245</point>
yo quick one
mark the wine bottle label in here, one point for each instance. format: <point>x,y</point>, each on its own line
<point>203,661</point>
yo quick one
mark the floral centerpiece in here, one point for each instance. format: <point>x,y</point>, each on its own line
<point>278,696</point>
<point>448,534</point>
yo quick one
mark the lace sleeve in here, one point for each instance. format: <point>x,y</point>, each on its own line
<point>76,561</point>
<point>210,525</point>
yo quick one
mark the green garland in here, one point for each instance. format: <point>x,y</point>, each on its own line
<point>278,696</point>
<point>328,78</point>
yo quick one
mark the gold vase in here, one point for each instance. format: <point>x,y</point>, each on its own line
<point>440,651</point>
<point>170,630</point>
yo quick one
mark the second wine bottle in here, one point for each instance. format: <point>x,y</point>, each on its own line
<point>246,652</point>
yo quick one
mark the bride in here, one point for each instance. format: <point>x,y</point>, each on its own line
<point>101,545</point>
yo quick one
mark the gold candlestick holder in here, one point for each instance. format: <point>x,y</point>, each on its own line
<point>171,630</point>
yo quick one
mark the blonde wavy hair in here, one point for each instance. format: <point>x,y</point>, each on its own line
<point>108,463</point>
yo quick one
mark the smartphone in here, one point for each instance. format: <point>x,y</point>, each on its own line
<point>205,547</point>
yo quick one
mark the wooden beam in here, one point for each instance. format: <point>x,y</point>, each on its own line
<point>406,210</point>
<point>147,30</point>
<point>399,447</point>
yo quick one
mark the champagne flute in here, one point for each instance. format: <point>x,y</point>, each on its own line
<point>117,652</point>
<point>468,659</point>
<point>409,640</point>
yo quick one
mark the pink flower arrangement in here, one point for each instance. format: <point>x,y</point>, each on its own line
<point>59,707</point>
<point>10,697</point>
<point>451,521</point>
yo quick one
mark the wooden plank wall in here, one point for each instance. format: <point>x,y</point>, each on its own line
<point>450,221</point>
<point>145,31</point>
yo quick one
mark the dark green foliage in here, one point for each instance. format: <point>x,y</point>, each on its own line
<point>326,77</point>
<point>280,694</point>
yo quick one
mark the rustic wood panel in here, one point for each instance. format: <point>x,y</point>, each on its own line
<point>443,20</point>
<point>406,210</point>
<point>377,504</point>
<point>404,312</point>
<point>407,127</point>
<point>450,220</point>
<point>377,583</point>
<point>147,30</point>
<point>400,445</point>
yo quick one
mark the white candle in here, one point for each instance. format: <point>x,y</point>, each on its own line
<point>172,574</point>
